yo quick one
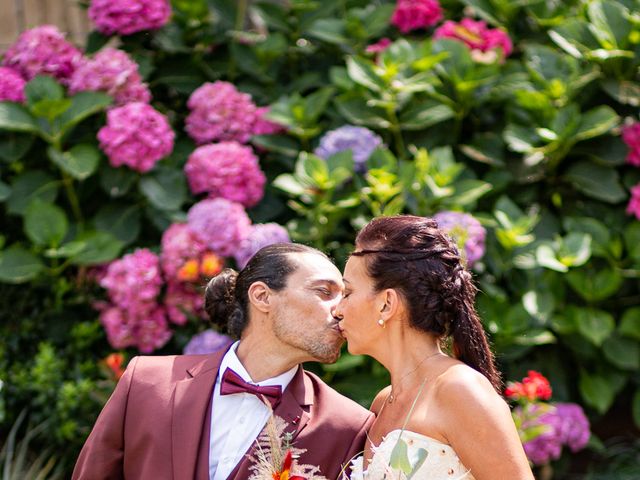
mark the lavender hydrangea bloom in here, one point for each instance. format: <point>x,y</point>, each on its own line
<point>466,231</point>
<point>574,429</point>
<point>220,224</point>
<point>360,140</point>
<point>208,341</point>
<point>260,236</point>
<point>548,445</point>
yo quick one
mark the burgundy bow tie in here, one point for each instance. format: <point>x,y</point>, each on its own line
<point>233,383</point>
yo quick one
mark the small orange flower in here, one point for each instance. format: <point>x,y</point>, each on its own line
<point>210,265</point>
<point>113,362</point>
<point>189,271</point>
<point>285,473</point>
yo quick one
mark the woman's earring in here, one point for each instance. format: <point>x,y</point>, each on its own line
<point>381,323</point>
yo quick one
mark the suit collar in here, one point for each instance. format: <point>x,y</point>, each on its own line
<point>191,398</point>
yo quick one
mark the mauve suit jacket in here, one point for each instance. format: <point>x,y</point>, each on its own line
<point>156,424</point>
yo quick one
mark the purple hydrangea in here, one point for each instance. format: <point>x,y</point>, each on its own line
<point>260,236</point>
<point>43,50</point>
<point>125,17</point>
<point>11,85</point>
<point>220,224</point>
<point>205,342</point>
<point>228,170</point>
<point>574,426</point>
<point>113,72</point>
<point>466,231</point>
<point>360,140</point>
<point>136,135</point>
<point>563,423</point>
<point>220,112</point>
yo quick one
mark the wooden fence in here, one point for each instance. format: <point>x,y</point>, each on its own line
<point>18,15</point>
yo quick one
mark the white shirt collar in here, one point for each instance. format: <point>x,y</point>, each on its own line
<point>231,360</point>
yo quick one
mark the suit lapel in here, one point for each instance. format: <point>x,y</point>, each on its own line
<point>191,398</point>
<point>292,408</point>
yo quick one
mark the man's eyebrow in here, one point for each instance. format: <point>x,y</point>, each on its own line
<point>325,280</point>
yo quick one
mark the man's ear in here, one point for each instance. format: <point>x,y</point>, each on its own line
<point>260,296</point>
<point>391,304</point>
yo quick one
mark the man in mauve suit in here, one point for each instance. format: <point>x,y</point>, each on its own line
<point>198,416</point>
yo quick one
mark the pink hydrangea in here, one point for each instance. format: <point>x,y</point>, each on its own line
<point>477,36</point>
<point>631,136</point>
<point>414,14</point>
<point>220,224</point>
<point>134,279</point>
<point>179,244</point>
<point>260,236</point>
<point>182,300</point>
<point>220,112</point>
<point>378,47</point>
<point>137,136</point>
<point>147,330</point>
<point>633,208</point>
<point>228,170</point>
<point>111,71</point>
<point>262,126</point>
<point>43,50</point>
<point>11,85</point>
<point>125,17</point>
<point>467,232</point>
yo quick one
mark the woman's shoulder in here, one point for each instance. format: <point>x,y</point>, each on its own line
<point>380,398</point>
<point>460,386</point>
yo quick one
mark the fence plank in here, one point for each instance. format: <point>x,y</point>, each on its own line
<point>18,15</point>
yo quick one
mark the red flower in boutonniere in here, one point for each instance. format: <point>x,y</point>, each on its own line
<point>286,469</point>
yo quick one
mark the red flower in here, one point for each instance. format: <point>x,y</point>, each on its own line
<point>533,387</point>
<point>114,362</point>
<point>284,474</point>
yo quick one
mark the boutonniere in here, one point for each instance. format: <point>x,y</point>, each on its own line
<point>275,457</point>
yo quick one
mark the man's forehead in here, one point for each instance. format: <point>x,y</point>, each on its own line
<point>313,267</point>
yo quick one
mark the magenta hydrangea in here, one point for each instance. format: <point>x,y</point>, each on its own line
<point>113,72</point>
<point>178,245</point>
<point>183,300</point>
<point>147,330</point>
<point>228,170</point>
<point>206,342</point>
<point>477,36</point>
<point>468,233</point>
<point>633,208</point>
<point>360,140</point>
<point>136,135</point>
<point>260,236</point>
<point>415,14</point>
<point>220,224</point>
<point>631,136</point>
<point>574,427</point>
<point>11,85</point>
<point>219,112</point>
<point>125,17</point>
<point>43,50</point>
<point>378,47</point>
<point>133,279</point>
